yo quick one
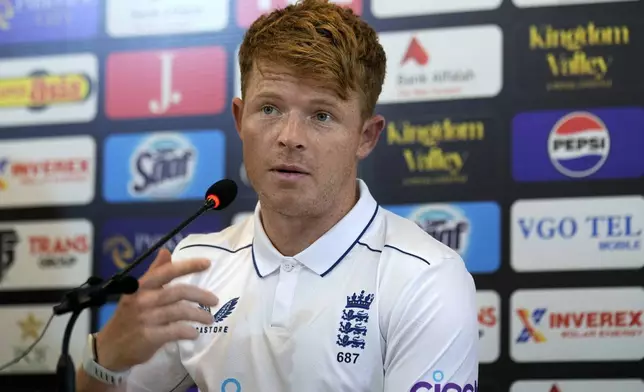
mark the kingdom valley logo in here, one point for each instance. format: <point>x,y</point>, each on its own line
<point>426,157</point>
<point>423,68</point>
<point>568,61</point>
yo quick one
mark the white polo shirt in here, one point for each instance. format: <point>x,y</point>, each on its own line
<point>376,304</point>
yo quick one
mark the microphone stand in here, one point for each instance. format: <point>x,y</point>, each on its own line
<point>95,292</point>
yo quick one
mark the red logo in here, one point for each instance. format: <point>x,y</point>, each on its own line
<point>555,388</point>
<point>50,170</point>
<point>163,83</point>
<point>415,52</point>
<point>249,10</point>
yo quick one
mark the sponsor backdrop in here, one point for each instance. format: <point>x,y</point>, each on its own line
<point>515,135</point>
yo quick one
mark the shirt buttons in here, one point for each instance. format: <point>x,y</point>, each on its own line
<point>288,266</point>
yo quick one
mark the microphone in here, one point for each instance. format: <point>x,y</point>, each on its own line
<point>94,292</point>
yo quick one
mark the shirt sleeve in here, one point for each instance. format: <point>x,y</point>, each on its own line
<point>432,333</point>
<point>164,372</point>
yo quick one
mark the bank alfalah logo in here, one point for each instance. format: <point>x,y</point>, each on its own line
<point>354,321</point>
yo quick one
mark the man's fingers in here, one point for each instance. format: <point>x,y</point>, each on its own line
<point>182,292</point>
<point>172,332</point>
<point>164,274</point>
<point>180,311</point>
<point>163,257</point>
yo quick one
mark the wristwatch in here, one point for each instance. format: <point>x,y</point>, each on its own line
<point>92,368</point>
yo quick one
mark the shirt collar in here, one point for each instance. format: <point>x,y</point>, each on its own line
<point>328,250</point>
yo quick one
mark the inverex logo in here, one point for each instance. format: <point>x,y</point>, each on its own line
<point>577,233</point>
<point>439,384</point>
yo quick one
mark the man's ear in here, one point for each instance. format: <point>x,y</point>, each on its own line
<point>369,135</point>
<point>238,110</point>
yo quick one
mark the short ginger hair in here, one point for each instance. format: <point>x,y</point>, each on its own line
<point>320,41</point>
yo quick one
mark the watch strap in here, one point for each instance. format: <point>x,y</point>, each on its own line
<point>93,369</point>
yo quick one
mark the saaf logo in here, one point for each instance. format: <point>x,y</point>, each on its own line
<point>446,224</point>
<point>162,166</point>
<point>579,144</point>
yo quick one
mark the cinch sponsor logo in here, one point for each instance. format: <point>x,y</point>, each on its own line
<point>577,233</point>
<point>145,18</point>
<point>423,68</point>
<point>48,171</point>
<point>555,3</point>
<point>566,55</point>
<point>33,20</point>
<point>170,82</point>
<point>582,144</point>
<point>471,229</point>
<point>249,10</point>
<point>122,240</point>
<point>48,89</point>
<point>162,165</point>
<point>384,9</point>
<point>577,324</point>
<point>428,152</point>
<point>440,384</point>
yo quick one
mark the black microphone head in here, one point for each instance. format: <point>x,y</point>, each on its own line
<point>221,194</point>
<point>129,284</point>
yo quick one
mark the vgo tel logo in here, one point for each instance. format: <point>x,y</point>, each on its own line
<point>579,144</point>
<point>489,332</point>
<point>577,324</point>
<point>249,10</point>
<point>439,384</point>
<point>170,82</point>
<point>162,165</point>
<point>577,233</point>
<point>424,67</point>
<point>471,229</point>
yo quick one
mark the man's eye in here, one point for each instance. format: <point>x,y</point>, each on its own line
<point>268,109</point>
<point>323,116</point>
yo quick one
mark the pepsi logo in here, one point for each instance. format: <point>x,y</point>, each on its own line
<point>579,144</point>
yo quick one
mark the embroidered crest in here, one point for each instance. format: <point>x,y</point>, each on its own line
<point>355,318</point>
<point>226,310</point>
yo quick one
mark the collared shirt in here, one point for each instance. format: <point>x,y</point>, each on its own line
<point>375,304</point>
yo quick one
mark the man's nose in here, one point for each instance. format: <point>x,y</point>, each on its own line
<point>292,133</point>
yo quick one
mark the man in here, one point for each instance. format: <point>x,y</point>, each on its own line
<point>321,290</point>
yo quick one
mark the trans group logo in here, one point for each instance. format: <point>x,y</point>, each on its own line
<point>472,229</point>
<point>589,144</point>
<point>162,165</point>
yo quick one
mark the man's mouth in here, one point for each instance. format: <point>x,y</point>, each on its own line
<point>289,169</point>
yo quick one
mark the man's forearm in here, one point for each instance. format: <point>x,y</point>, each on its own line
<point>85,383</point>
